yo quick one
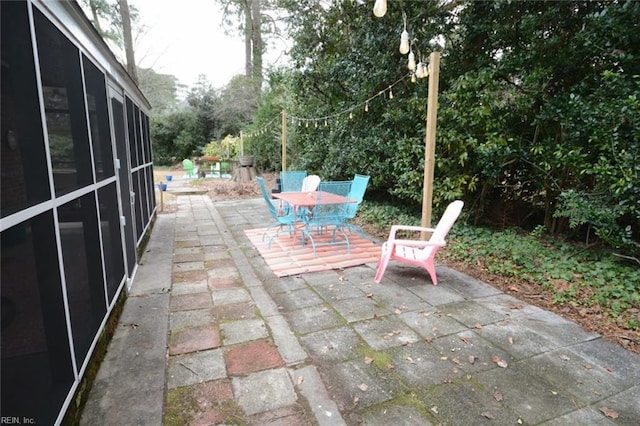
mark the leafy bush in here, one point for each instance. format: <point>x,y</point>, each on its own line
<point>573,275</point>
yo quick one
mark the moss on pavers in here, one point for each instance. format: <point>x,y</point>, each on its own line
<point>407,410</point>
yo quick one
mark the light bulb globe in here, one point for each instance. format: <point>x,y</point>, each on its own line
<point>412,61</point>
<point>380,8</point>
<point>404,42</point>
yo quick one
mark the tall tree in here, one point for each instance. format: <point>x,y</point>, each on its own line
<point>248,17</point>
<point>237,105</point>
<point>113,20</point>
<point>125,18</point>
<point>160,89</point>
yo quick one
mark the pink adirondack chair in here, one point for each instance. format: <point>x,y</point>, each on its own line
<point>416,252</point>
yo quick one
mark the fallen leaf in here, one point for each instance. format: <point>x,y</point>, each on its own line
<point>487,415</point>
<point>368,360</point>
<point>564,357</point>
<point>390,366</point>
<point>510,339</point>
<point>472,359</point>
<point>444,358</point>
<point>355,400</point>
<point>398,311</point>
<point>609,369</point>
<point>363,387</point>
<point>554,392</point>
<point>369,295</point>
<point>428,339</point>
<point>411,361</point>
<point>300,380</point>
<point>498,396</point>
<point>464,339</point>
<point>609,412</point>
<point>478,326</point>
<point>456,361</point>
<point>434,409</point>
<point>502,363</point>
<point>495,358</point>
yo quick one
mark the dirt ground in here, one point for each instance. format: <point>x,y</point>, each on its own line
<point>592,319</point>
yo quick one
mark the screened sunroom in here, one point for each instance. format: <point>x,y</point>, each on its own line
<point>77,198</point>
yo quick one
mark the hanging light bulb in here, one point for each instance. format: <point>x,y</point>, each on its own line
<point>424,70</point>
<point>404,37</point>
<point>351,115</point>
<point>380,8</point>
<point>404,42</point>
<point>419,70</point>
<point>390,93</point>
<point>412,61</point>
<point>366,107</point>
<point>413,77</point>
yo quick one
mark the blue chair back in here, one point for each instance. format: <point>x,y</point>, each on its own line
<point>291,181</point>
<point>358,188</point>
<point>336,211</point>
<point>267,197</point>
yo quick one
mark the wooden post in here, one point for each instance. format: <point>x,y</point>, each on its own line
<point>284,140</point>
<point>430,140</point>
<point>241,144</point>
<point>161,197</point>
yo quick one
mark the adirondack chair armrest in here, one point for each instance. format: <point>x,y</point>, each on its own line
<point>396,228</point>
<point>418,243</point>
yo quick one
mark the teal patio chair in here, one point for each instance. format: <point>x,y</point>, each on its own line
<point>291,181</point>
<point>358,188</point>
<point>284,220</point>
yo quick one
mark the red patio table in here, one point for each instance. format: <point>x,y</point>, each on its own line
<point>309,200</point>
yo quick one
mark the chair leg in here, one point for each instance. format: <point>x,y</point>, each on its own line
<point>431,268</point>
<point>383,261</point>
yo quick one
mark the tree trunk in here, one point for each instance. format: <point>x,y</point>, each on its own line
<point>248,30</point>
<point>128,39</point>
<point>257,47</point>
<point>94,14</point>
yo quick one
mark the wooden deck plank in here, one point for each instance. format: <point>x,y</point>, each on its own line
<point>287,256</point>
